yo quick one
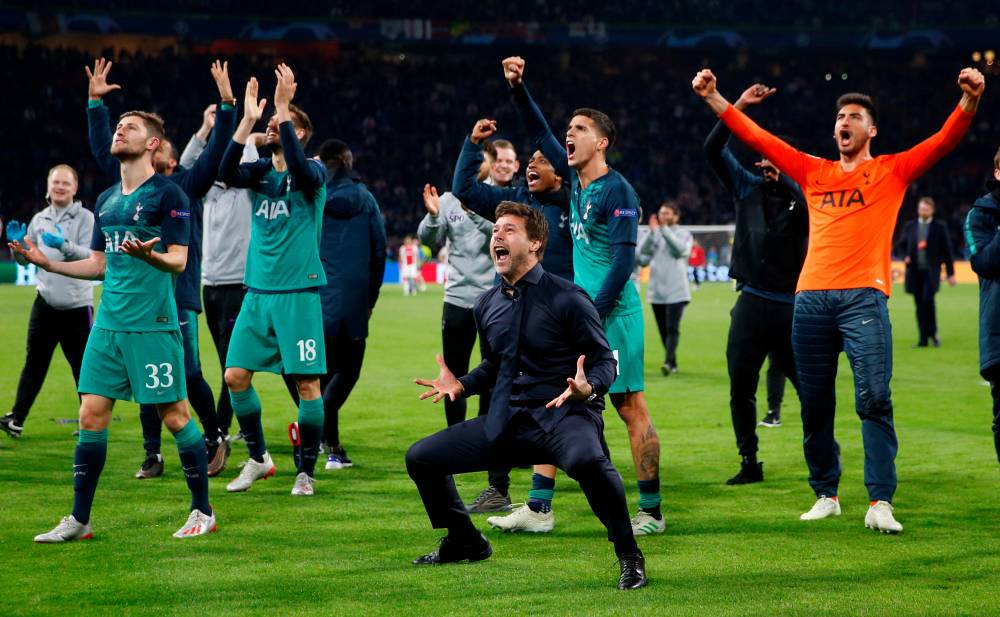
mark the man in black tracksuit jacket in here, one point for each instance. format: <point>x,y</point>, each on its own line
<point>982,233</point>
<point>769,247</point>
<point>352,249</point>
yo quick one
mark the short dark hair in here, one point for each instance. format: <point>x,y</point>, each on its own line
<point>929,200</point>
<point>602,120</point>
<point>301,120</point>
<point>857,98</point>
<point>534,222</point>
<point>336,154</point>
<point>996,159</point>
<point>154,123</point>
<point>670,204</point>
<point>489,150</point>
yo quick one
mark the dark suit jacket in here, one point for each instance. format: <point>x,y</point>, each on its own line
<point>938,252</point>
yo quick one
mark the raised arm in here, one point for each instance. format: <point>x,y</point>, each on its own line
<point>98,119</point>
<point>786,158</point>
<point>205,170</point>
<point>430,229</point>
<point>230,170</point>
<point>478,196</point>
<point>911,164</point>
<point>308,174</point>
<point>196,145</point>
<point>738,179</point>
<point>539,131</point>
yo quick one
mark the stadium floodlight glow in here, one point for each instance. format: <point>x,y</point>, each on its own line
<point>829,77</point>
<point>843,76</point>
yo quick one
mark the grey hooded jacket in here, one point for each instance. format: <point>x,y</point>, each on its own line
<point>77,225</point>
<point>470,267</point>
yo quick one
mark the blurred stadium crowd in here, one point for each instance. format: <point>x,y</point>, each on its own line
<point>404,110</point>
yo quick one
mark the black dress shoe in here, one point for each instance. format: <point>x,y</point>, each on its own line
<point>749,473</point>
<point>633,574</point>
<point>449,551</point>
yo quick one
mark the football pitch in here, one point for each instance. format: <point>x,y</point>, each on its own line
<point>727,550</point>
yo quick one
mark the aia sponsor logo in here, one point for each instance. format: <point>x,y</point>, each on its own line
<point>843,199</point>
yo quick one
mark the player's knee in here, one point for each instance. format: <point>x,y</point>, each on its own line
<point>415,458</point>
<point>874,407</point>
<point>93,415</point>
<point>237,379</point>
<point>584,462</point>
<point>308,389</point>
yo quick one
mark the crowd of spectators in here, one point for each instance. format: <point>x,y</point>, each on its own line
<point>405,112</point>
<point>814,14</point>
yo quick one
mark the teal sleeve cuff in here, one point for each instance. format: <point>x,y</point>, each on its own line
<point>227,106</point>
<point>92,104</point>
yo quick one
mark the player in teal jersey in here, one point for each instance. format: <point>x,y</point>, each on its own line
<point>280,326</point>
<point>604,220</point>
<point>141,235</point>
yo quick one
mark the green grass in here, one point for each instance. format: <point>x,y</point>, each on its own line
<point>727,550</point>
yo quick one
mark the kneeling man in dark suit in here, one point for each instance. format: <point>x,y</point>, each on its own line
<point>549,365</point>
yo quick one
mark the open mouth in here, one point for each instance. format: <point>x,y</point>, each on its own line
<point>570,148</point>
<point>533,178</point>
<point>844,138</point>
<point>501,255</point>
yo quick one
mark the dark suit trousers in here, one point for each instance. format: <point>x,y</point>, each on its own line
<point>923,295</point>
<point>576,446</point>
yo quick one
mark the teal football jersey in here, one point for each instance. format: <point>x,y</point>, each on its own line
<point>605,213</point>
<point>138,297</point>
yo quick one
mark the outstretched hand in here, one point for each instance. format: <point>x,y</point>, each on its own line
<point>483,129</point>
<point>220,73</point>
<point>253,110</point>
<point>577,387</point>
<point>29,252</point>
<point>432,203</point>
<point>139,249</point>
<point>98,84</point>
<point>513,69</point>
<point>284,91</point>
<point>445,385</point>
<point>754,95</point>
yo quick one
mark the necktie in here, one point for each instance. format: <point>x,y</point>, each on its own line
<point>499,412</point>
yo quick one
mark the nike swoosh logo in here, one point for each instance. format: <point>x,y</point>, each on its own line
<point>183,323</point>
<point>867,321</point>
